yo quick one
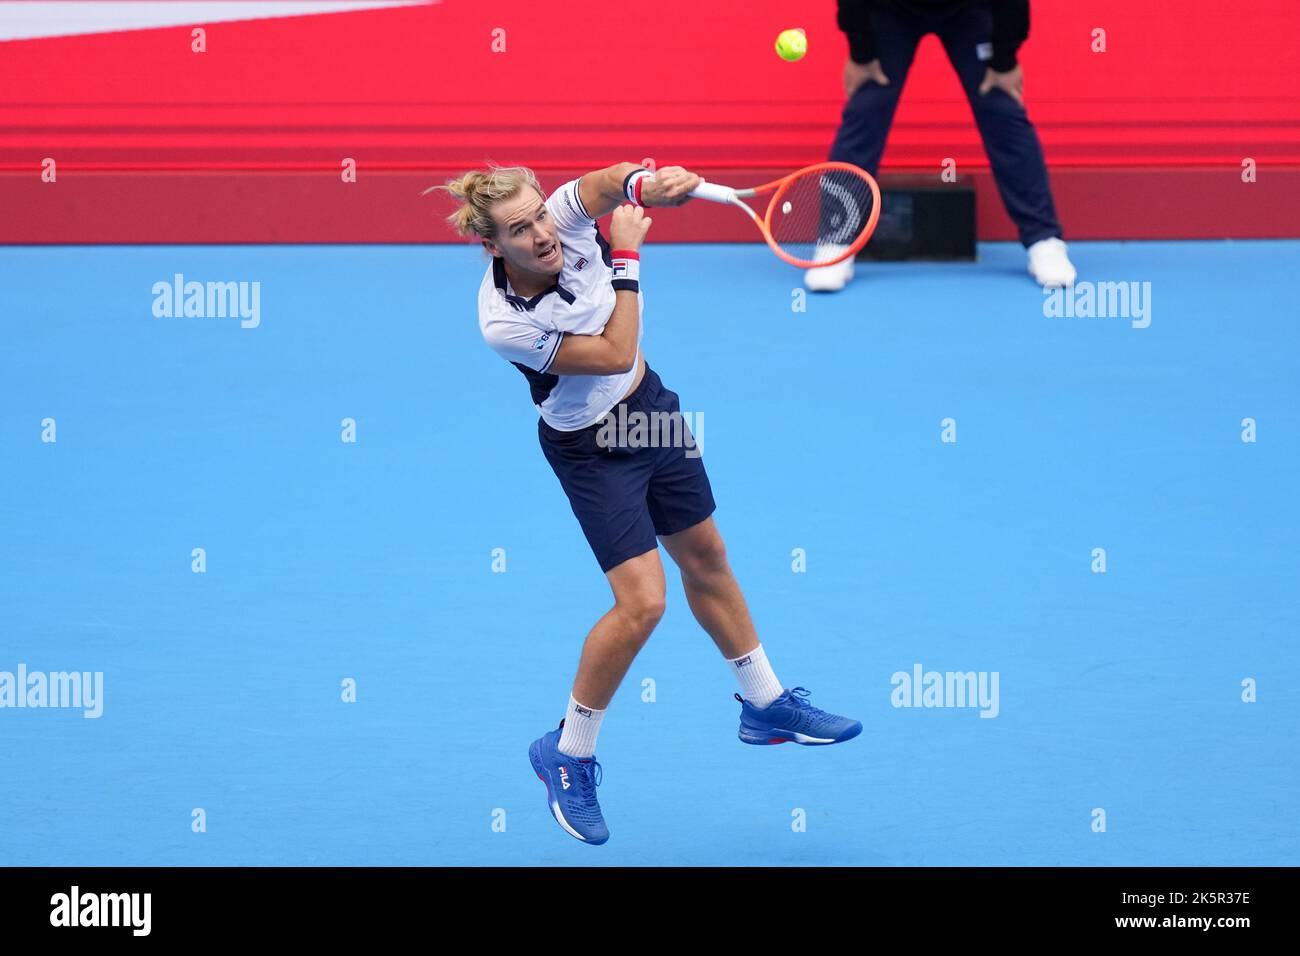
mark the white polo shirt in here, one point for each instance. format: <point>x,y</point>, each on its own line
<point>528,332</point>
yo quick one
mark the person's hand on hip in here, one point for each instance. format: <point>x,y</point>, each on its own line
<point>1011,83</point>
<point>857,74</point>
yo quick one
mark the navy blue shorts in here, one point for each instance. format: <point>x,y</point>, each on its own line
<point>628,484</point>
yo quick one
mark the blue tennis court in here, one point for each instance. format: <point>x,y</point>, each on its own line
<point>375,561</point>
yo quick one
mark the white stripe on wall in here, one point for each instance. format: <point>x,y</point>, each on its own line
<point>59,18</point>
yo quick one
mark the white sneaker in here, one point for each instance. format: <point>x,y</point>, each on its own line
<point>1049,265</point>
<point>829,278</point>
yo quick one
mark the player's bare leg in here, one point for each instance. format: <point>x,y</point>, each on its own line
<point>565,758</point>
<point>769,713</point>
<point>711,588</point>
<point>638,586</point>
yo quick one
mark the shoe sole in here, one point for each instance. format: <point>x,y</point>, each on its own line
<point>775,736</point>
<point>535,758</point>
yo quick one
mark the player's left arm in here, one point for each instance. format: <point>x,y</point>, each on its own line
<point>602,191</point>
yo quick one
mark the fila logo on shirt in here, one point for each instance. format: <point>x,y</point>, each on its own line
<point>564,777</point>
<point>580,263</point>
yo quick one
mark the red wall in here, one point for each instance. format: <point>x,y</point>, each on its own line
<point>1145,139</point>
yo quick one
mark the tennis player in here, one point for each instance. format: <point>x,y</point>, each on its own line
<point>565,308</point>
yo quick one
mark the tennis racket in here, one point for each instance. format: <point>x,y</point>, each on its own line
<point>817,216</point>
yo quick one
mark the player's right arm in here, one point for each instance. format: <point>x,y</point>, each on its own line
<point>613,351</point>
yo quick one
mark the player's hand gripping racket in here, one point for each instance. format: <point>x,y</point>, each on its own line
<point>817,216</point>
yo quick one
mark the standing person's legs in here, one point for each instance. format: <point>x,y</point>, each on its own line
<point>869,112</point>
<point>864,126</point>
<point>1012,145</point>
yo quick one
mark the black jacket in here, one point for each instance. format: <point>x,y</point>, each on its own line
<point>1010,25</point>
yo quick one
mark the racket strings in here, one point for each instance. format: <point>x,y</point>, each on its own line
<point>821,213</point>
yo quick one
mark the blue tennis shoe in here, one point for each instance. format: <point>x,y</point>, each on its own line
<point>791,717</point>
<point>570,788</point>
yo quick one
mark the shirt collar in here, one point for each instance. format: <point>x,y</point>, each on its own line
<point>499,276</point>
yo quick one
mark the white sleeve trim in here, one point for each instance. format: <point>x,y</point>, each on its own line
<point>555,350</point>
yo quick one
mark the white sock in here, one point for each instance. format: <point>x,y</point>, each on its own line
<point>758,683</point>
<point>581,725</point>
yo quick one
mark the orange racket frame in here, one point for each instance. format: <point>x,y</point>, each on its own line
<point>715,192</point>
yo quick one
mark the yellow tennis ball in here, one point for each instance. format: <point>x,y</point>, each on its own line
<point>791,45</point>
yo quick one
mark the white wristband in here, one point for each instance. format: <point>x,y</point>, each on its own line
<point>625,269</point>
